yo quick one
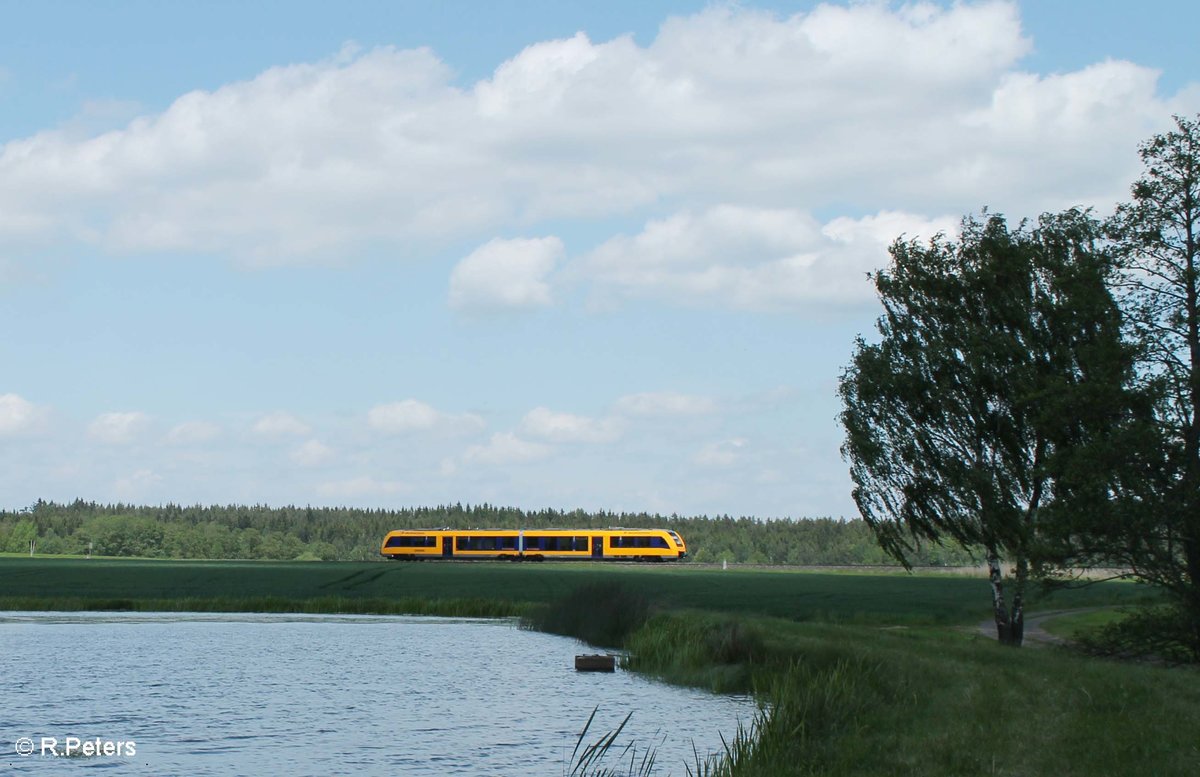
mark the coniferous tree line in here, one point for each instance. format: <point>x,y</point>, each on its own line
<point>341,533</point>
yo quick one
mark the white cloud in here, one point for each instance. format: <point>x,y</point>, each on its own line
<point>138,485</point>
<point>664,403</point>
<point>193,433</point>
<point>753,258</point>
<point>869,103</point>
<point>280,424</point>
<point>720,455</point>
<point>118,428</point>
<point>505,274</point>
<point>312,453</point>
<point>507,448</point>
<point>364,485</point>
<point>552,426</point>
<point>17,415</point>
<point>411,415</point>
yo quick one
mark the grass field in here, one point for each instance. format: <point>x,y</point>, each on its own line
<point>43,583</point>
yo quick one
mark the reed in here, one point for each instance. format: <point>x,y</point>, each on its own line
<point>604,614</point>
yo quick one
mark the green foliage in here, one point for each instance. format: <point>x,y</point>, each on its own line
<point>260,532</point>
<point>1154,528</point>
<point>955,419</point>
<point>1000,369</point>
<point>16,539</point>
<point>1159,633</point>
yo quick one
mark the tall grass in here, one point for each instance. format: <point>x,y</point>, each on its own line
<point>720,653</point>
<point>844,700</point>
<point>602,614</point>
<point>594,760</point>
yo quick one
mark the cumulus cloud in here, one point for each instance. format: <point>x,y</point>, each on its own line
<point>118,428</point>
<point>552,426</point>
<point>193,433</point>
<point>868,103</point>
<point>664,403</point>
<point>138,485</point>
<point>17,415</point>
<point>411,415</point>
<point>312,453</point>
<point>720,455</point>
<point>506,448</point>
<point>361,486</point>
<point>505,274</point>
<point>752,258</point>
<point>280,424</point>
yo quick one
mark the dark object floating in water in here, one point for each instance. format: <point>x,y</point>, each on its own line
<point>595,663</point>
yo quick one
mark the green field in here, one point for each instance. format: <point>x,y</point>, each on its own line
<point>46,583</point>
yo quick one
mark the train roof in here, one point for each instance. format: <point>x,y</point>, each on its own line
<point>528,529</point>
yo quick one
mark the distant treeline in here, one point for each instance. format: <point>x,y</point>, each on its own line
<point>348,534</point>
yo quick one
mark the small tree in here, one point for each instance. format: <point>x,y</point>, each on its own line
<point>960,420</point>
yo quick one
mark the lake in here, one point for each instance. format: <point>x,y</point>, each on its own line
<point>220,694</point>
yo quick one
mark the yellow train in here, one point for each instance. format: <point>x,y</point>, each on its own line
<point>535,544</point>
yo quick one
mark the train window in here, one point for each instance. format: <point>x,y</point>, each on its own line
<point>534,543</point>
<point>405,541</point>
<point>581,543</point>
<point>508,542</point>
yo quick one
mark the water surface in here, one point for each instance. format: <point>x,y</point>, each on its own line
<point>328,694</point>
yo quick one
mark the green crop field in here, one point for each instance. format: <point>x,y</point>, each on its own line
<point>30,583</point>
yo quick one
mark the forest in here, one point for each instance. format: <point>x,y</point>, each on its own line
<point>350,534</point>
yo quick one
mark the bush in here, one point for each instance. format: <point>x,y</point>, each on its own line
<point>1160,632</point>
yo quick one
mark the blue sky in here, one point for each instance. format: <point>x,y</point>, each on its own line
<point>542,254</point>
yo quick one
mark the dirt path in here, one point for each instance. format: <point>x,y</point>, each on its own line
<point>1034,632</point>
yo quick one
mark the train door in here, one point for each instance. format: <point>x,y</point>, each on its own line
<point>597,547</point>
<point>447,546</point>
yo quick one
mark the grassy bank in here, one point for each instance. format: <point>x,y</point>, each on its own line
<point>856,700</point>
<point>853,699</point>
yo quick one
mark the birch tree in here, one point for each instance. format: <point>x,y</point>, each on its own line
<point>978,393</point>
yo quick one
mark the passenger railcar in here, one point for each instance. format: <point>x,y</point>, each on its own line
<point>535,544</point>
